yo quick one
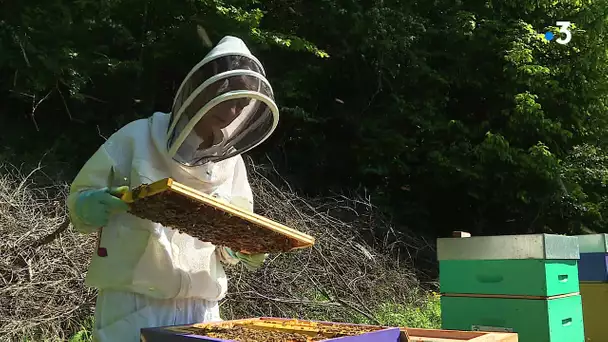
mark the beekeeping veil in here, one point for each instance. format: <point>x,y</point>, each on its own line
<point>224,107</point>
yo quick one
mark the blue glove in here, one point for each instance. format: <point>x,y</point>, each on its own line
<point>94,207</point>
<point>251,261</point>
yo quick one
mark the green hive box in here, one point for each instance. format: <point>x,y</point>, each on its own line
<point>523,283</point>
<point>555,320</point>
<point>532,277</point>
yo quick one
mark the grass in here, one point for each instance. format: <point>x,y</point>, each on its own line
<point>83,334</point>
<point>427,315</point>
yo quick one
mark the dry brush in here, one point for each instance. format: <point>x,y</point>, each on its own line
<point>345,276</point>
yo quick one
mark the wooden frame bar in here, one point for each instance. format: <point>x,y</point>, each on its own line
<point>301,240</point>
<point>432,335</point>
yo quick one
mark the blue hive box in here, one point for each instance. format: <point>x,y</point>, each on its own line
<point>593,267</point>
<point>593,263</point>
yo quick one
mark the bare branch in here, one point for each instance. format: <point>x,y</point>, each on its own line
<point>351,272</point>
<point>42,292</point>
<point>100,134</point>
<point>345,276</point>
<point>35,105</point>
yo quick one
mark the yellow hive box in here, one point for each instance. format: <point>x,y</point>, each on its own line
<point>595,302</point>
<point>197,214</point>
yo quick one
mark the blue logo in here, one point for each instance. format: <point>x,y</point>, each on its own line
<point>549,35</point>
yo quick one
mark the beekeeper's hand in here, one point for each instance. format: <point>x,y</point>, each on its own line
<point>94,207</point>
<point>251,261</point>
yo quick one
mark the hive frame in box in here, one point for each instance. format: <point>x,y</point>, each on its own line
<point>184,334</point>
<point>301,240</point>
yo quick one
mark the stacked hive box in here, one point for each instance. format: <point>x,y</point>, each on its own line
<point>593,276</point>
<point>526,284</point>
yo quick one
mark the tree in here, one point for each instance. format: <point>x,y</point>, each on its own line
<point>450,114</point>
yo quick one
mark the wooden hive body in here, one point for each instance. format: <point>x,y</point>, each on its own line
<point>437,335</point>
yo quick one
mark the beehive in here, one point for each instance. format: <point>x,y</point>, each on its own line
<point>593,274</point>
<point>192,212</point>
<point>273,330</point>
<point>267,329</point>
<point>519,283</point>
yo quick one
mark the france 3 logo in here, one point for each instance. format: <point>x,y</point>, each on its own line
<point>566,35</point>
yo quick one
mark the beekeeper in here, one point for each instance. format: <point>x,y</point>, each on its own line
<point>149,275</point>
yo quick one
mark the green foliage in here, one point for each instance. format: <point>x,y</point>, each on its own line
<point>459,115</point>
<point>79,70</point>
<point>84,334</point>
<point>451,114</point>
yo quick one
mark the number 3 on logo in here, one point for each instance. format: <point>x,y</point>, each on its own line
<point>563,28</point>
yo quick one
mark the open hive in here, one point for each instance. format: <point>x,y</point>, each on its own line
<point>201,216</point>
<point>269,329</point>
<point>281,330</point>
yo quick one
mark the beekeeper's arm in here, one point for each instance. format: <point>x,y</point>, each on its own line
<point>242,197</point>
<point>90,202</point>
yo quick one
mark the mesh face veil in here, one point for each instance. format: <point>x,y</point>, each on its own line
<point>224,107</point>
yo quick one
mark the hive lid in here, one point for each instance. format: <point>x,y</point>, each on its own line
<point>593,243</point>
<point>505,247</point>
<point>192,212</point>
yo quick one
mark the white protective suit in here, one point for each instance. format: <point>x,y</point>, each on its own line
<point>153,275</point>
